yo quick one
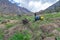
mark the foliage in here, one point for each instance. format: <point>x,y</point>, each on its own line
<point>34,25</point>
<point>1,34</point>
<point>58,38</point>
<point>21,36</point>
<point>9,25</point>
<point>58,29</point>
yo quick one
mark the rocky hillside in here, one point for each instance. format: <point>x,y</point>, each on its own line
<point>54,8</point>
<point>8,7</point>
<point>12,28</point>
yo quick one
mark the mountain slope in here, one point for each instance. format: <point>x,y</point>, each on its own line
<point>8,7</point>
<point>54,8</point>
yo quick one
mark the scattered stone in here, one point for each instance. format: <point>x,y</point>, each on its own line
<point>2,26</point>
<point>43,36</point>
<point>47,28</point>
<point>13,21</point>
<point>49,38</point>
<point>4,22</point>
<point>56,32</point>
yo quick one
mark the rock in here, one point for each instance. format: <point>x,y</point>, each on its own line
<point>13,21</point>
<point>2,26</point>
<point>3,22</point>
<point>56,32</point>
<point>49,38</point>
<point>47,28</point>
<point>43,36</point>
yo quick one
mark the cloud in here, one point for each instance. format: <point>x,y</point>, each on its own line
<point>35,5</point>
<point>46,5</point>
<point>50,1</point>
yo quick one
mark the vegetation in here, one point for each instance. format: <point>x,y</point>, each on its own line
<point>58,38</point>
<point>21,36</point>
<point>9,25</point>
<point>1,34</point>
<point>34,25</point>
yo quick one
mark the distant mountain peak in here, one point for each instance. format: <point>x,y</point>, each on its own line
<point>7,7</point>
<point>53,8</point>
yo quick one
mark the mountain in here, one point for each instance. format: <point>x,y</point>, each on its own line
<point>54,8</point>
<point>7,7</point>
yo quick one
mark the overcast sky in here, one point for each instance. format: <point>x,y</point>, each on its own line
<point>35,5</point>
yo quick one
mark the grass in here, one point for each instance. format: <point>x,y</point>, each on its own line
<point>21,36</point>
<point>9,25</point>
<point>45,21</point>
<point>34,25</point>
<point>1,34</point>
<point>49,35</point>
<point>58,38</point>
<point>58,29</point>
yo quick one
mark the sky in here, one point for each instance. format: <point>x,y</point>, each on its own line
<point>35,5</point>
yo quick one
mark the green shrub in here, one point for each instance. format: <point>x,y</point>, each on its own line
<point>9,25</point>
<point>58,38</point>
<point>1,34</point>
<point>58,29</point>
<point>20,36</point>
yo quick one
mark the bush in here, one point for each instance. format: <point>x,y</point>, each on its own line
<point>20,36</point>
<point>9,25</point>
<point>58,38</point>
<point>1,34</point>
